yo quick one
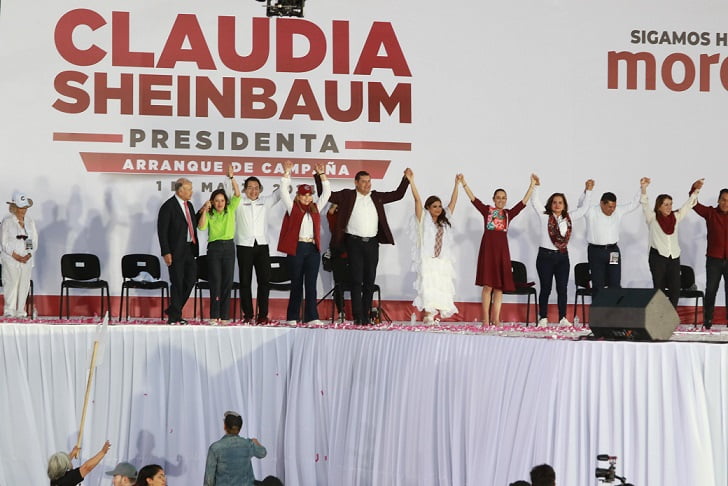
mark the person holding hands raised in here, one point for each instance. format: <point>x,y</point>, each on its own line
<point>433,253</point>
<point>552,261</point>
<point>218,217</point>
<point>300,239</point>
<point>662,223</point>
<point>494,272</point>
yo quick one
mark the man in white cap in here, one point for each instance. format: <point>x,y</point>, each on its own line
<point>228,459</point>
<point>19,243</point>
<point>124,474</point>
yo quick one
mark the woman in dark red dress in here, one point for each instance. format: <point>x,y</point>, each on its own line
<point>494,260</point>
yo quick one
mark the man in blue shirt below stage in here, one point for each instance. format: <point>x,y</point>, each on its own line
<point>228,459</point>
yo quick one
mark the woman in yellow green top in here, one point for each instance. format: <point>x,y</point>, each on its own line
<point>218,218</point>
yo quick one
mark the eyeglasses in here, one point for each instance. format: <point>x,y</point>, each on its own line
<point>22,237</point>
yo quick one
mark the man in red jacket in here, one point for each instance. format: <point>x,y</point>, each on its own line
<point>361,225</point>
<point>716,258</point>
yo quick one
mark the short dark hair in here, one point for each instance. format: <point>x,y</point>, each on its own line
<point>609,197</point>
<point>252,179</point>
<point>233,421</point>
<point>499,190</point>
<point>520,482</point>
<point>543,475</point>
<point>361,174</point>
<point>722,191</point>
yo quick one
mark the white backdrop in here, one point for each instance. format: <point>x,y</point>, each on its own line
<point>367,408</point>
<point>498,90</point>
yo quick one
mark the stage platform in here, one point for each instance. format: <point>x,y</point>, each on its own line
<point>390,404</point>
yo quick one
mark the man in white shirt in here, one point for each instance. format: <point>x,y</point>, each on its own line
<point>252,249</point>
<point>602,234</point>
<point>361,226</point>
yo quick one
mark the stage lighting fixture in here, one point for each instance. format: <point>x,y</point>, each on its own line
<point>283,8</point>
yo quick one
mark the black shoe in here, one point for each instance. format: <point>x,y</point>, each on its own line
<point>183,322</point>
<point>708,325</point>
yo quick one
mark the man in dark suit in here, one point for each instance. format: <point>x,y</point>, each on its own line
<point>178,241</point>
<point>361,225</point>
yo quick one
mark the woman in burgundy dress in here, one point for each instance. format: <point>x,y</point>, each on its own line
<point>494,260</point>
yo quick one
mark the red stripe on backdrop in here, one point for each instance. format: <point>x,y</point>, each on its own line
<point>87,137</point>
<point>361,144</point>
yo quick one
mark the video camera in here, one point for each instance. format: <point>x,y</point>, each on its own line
<point>609,475</point>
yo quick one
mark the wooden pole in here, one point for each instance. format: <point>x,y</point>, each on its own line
<point>88,393</point>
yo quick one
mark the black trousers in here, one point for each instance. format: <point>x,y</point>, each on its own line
<point>220,268</point>
<point>603,273</point>
<point>665,275</point>
<point>182,277</point>
<point>715,269</point>
<point>258,257</point>
<point>550,265</point>
<point>363,256</point>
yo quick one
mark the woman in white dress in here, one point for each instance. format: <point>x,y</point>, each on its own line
<point>433,254</point>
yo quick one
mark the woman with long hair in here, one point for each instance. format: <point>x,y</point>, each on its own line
<point>662,223</point>
<point>218,217</point>
<point>433,253</point>
<point>151,475</point>
<point>552,262</point>
<point>494,272</point>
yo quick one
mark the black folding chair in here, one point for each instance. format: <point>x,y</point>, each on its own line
<point>82,271</point>
<point>131,266</point>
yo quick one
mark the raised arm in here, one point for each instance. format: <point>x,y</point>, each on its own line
<point>585,200</point>
<point>285,185</point>
<point>397,194</point>
<point>415,193</point>
<point>535,199</point>
<point>646,210</point>
<point>692,200</point>
<point>324,196</point>
<point>231,176</point>
<point>469,193</point>
<point>204,210</point>
<point>87,466</point>
<point>534,182</point>
<point>454,196</point>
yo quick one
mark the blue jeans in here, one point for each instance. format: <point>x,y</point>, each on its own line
<point>550,264</point>
<point>304,267</point>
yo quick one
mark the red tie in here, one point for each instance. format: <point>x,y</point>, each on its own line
<point>438,240</point>
<point>189,222</point>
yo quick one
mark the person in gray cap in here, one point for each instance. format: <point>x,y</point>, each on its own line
<point>124,474</point>
<point>228,459</point>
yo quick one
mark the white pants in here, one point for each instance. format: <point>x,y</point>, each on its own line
<point>16,284</point>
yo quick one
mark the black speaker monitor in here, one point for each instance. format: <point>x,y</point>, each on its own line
<point>632,314</point>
